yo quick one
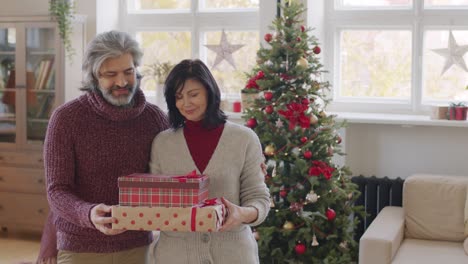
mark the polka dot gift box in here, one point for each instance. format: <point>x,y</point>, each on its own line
<point>204,217</point>
<point>141,189</point>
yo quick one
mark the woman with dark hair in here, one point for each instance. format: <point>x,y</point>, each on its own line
<point>229,154</point>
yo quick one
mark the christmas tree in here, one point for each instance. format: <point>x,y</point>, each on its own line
<point>312,217</point>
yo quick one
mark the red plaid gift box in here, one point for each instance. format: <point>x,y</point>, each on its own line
<point>204,217</point>
<point>162,190</point>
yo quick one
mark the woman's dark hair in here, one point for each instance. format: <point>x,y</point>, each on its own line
<point>193,70</point>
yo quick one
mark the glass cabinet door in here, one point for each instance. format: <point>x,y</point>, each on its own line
<point>40,81</point>
<point>8,90</point>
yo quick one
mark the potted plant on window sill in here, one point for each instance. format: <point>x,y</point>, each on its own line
<point>457,111</point>
<point>62,11</point>
<point>158,72</point>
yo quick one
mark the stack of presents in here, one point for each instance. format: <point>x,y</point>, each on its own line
<point>167,203</point>
<point>455,111</point>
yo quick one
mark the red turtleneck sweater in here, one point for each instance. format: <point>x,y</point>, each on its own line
<point>201,142</point>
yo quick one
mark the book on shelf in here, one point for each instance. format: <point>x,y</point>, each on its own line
<point>46,106</point>
<point>43,73</point>
<point>9,97</point>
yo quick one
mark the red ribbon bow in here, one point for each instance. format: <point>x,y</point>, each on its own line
<point>191,175</point>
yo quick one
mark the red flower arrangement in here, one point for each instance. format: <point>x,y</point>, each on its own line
<point>295,115</point>
<point>321,167</point>
<point>252,86</point>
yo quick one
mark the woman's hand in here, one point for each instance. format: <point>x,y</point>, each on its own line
<point>237,215</point>
<point>102,222</point>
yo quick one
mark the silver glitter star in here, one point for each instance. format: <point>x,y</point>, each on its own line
<point>224,51</point>
<point>453,54</point>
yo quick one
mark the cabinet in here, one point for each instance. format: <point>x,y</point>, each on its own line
<point>33,77</point>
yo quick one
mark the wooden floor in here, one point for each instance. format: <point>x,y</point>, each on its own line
<point>19,248</point>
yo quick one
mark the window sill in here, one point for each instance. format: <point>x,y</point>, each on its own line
<point>396,119</point>
<point>384,119</point>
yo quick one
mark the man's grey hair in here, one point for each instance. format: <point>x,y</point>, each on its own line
<point>107,45</point>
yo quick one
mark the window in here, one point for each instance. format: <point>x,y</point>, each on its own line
<point>170,31</point>
<point>397,56</point>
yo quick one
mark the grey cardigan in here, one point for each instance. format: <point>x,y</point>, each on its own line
<point>235,173</point>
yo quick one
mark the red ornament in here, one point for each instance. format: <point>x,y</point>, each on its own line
<point>302,28</point>
<point>338,139</point>
<point>268,37</point>
<point>330,214</point>
<point>298,39</point>
<point>300,249</point>
<point>303,139</point>
<point>283,193</point>
<point>252,123</point>
<point>308,154</point>
<point>268,96</point>
<point>316,50</point>
<point>269,109</point>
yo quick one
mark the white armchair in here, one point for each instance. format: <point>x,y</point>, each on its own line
<point>429,228</point>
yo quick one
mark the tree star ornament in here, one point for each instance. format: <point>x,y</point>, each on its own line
<point>224,51</point>
<point>453,54</point>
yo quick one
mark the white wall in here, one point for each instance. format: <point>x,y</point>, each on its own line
<point>41,8</point>
<point>399,151</point>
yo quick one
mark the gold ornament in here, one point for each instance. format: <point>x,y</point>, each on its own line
<point>302,62</point>
<point>269,150</point>
<point>288,225</point>
<point>313,119</point>
<point>323,114</point>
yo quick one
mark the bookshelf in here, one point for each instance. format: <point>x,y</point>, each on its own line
<point>33,76</point>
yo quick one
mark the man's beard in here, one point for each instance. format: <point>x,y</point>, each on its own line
<point>122,100</point>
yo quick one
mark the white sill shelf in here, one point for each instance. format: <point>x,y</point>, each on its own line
<point>384,119</point>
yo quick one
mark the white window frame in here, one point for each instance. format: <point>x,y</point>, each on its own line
<point>198,20</point>
<point>414,18</point>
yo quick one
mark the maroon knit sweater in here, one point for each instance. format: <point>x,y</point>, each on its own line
<point>89,144</point>
<point>201,142</point>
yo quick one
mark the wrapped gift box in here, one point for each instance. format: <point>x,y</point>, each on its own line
<point>162,190</point>
<point>439,112</point>
<point>204,217</point>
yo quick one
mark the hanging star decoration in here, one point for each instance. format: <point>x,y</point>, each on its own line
<point>453,54</point>
<point>224,51</point>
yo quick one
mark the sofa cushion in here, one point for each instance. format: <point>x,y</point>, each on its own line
<point>465,246</point>
<point>430,252</point>
<point>466,214</point>
<point>435,207</point>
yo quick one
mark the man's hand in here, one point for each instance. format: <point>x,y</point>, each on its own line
<point>102,222</point>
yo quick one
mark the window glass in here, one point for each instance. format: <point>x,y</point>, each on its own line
<point>161,48</point>
<point>375,63</point>
<point>231,80</point>
<point>161,4</point>
<point>375,3</point>
<point>229,3</point>
<point>443,75</point>
<point>447,3</point>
